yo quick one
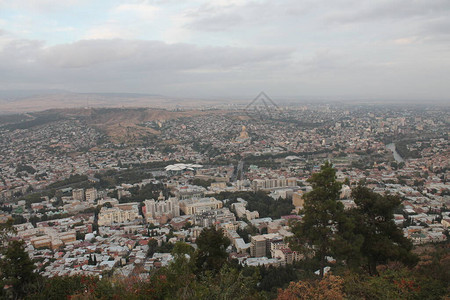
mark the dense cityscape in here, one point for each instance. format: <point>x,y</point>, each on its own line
<point>88,202</point>
<point>224,149</point>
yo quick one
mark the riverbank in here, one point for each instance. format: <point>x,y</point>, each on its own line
<point>397,156</point>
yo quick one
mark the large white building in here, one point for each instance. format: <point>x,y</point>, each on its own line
<point>241,211</point>
<point>196,206</point>
<point>267,184</point>
<point>161,210</point>
<point>119,214</point>
<point>189,192</point>
<point>47,237</point>
<point>215,216</point>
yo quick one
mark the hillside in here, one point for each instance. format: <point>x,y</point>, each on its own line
<point>121,125</point>
<point>68,100</point>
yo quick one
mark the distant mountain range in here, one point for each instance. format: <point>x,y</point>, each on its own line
<point>19,101</point>
<point>11,95</point>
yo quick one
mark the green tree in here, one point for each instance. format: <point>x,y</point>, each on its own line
<point>229,283</point>
<point>319,230</point>
<point>212,245</point>
<point>187,225</point>
<point>273,278</point>
<point>66,287</point>
<point>383,240</point>
<point>152,246</point>
<point>16,271</point>
<point>6,229</point>
<point>180,249</point>
<point>394,282</point>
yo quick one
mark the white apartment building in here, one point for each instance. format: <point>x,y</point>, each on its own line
<point>266,184</point>
<point>160,211</point>
<point>196,206</point>
<point>119,214</point>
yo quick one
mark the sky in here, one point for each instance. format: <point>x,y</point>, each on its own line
<point>337,49</point>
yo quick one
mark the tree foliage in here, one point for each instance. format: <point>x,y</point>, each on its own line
<point>16,271</point>
<point>261,202</point>
<point>275,277</point>
<point>382,239</point>
<point>394,282</point>
<point>212,245</point>
<point>318,231</point>
<point>329,287</point>
<point>230,284</point>
<point>365,235</point>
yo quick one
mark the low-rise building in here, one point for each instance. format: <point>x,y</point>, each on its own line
<point>47,237</point>
<point>241,211</point>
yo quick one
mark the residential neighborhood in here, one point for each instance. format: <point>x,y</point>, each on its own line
<point>66,186</point>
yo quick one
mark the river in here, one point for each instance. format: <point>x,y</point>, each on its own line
<point>397,156</point>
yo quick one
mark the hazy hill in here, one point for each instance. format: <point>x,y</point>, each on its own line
<point>29,101</point>
<point>120,124</point>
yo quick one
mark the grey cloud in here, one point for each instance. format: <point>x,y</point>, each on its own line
<point>367,11</point>
<point>437,26</point>
<point>40,6</point>
<point>420,20</point>
<point>219,22</point>
<point>87,53</point>
<point>214,18</point>
<point>125,65</point>
<point>155,54</point>
<point>19,52</point>
<point>211,17</point>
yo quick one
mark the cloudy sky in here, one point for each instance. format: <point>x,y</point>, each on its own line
<point>384,49</point>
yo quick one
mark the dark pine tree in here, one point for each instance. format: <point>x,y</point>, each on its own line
<point>16,271</point>
<point>383,240</point>
<point>212,245</point>
<point>323,229</point>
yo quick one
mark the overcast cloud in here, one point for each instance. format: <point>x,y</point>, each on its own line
<point>387,49</point>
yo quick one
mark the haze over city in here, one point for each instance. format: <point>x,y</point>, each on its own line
<point>381,50</point>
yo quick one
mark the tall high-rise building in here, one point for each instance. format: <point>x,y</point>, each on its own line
<point>258,246</point>
<point>161,210</point>
<point>91,194</point>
